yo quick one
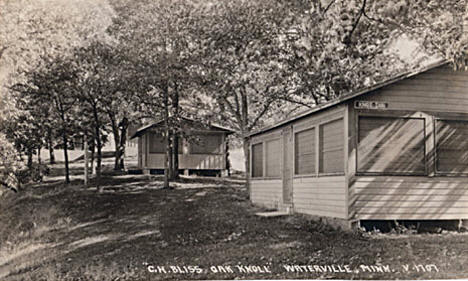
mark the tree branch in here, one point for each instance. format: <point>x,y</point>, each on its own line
<point>361,12</point>
<point>328,7</point>
<point>260,115</point>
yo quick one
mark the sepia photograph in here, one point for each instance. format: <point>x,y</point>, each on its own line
<point>233,140</point>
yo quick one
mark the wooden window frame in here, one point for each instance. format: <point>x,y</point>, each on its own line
<point>319,151</point>
<point>279,176</point>
<point>252,158</point>
<point>316,127</point>
<point>314,174</point>
<point>391,116</point>
<point>442,173</point>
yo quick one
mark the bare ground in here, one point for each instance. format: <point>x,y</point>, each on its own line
<point>55,232</point>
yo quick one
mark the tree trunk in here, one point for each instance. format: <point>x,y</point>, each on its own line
<point>123,142</point>
<point>115,132</point>
<point>93,149</point>
<point>176,156</point>
<point>245,144</point>
<point>98,158</point>
<point>65,154</point>
<point>170,156</point>
<point>244,127</point>
<point>97,129</point>
<point>29,154</point>
<point>39,161</point>
<point>50,146</point>
<point>86,171</point>
<point>175,108</point>
<point>167,137</point>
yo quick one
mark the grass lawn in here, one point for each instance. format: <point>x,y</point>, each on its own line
<point>205,228</point>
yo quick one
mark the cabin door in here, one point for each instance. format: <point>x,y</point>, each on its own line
<point>287,165</point>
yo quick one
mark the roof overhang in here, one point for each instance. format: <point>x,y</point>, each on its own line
<point>208,127</point>
<point>348,97</point>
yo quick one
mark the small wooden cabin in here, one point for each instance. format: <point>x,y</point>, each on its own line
<point>203,151</point>
<point>397,151</point>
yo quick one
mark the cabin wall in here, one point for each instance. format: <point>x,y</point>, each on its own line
<point>318,192</point>
<point>323,193</point>
<point>399,197</point>
<point>266,190</point>
<point>189,161</point>
<point>197,161</point>
<point>320,196</point>
<point>440,89</point>
<point>438,93</point>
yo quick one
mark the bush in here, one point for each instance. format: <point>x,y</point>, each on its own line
<point>10,164</point>
<point>34,174</point>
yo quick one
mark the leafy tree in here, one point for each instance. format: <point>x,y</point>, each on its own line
<point>243,74</point>
<point>10,164</point>
<point>162,38</point>
<point>50,87</point>
<point>34,32</point>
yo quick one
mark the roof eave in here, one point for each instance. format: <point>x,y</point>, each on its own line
<point>348,97</point>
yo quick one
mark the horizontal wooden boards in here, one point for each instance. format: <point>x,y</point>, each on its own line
<point>274,134</point>
<point>411,216</point>
<point>321,196</point>
<point>266,192</point>
<point>436,90</point>
<point>190,161</point>
<point>387,197</point>
<point>319,118</point>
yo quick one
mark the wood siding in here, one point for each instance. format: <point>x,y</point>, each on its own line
<point>267,193</point>
<point>438,93</point>
<point>320,196</point>
<point>199,161</point>
<point>440,89</point>
<point>315,195</point>
<point>392,197</point>
<point>189,161</point>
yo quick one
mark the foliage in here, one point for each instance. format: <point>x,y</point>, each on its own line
<point>333,49</point>
<point>50,90</point>
<point>436,26</point>
<point>243,71</point>
<point>31,30</point>
<point>10,164</point>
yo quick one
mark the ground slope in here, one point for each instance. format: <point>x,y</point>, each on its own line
<point>202,229</point>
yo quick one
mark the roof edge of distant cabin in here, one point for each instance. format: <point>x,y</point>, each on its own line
<point>140,131</point>
<point>349,96</point>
